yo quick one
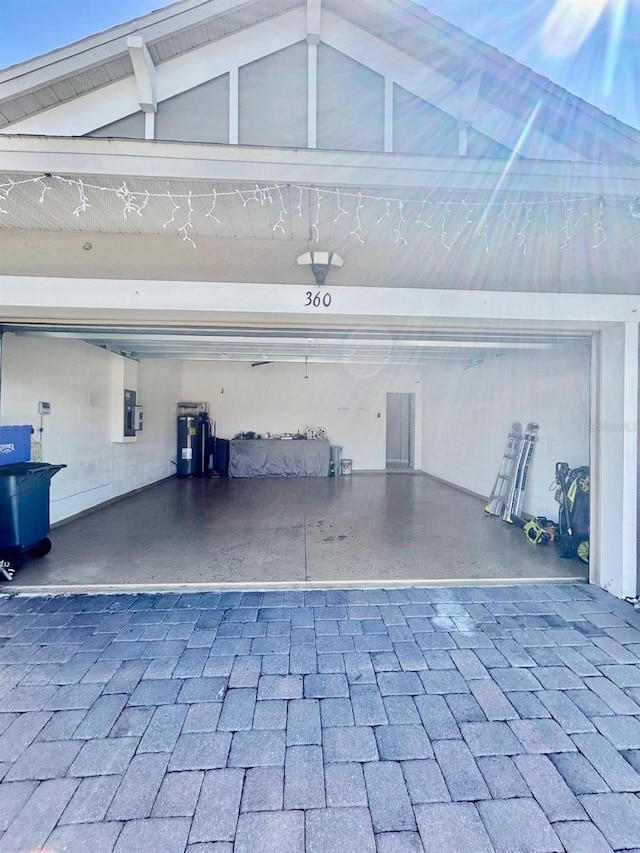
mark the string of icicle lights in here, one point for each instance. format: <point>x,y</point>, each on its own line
<point>449,220</point>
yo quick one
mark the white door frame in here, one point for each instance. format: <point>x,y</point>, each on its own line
<point>614,454</point>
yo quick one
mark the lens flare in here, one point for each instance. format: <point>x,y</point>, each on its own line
<point>618,17</point>
<point>570,23</point>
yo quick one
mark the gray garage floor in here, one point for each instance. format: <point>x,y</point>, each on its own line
<point>358,529</point>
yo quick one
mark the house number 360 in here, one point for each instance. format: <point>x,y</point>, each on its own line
<point>315,300</point>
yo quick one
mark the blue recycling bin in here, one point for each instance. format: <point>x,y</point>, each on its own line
<point>15,444</point>
<point>24,512</point>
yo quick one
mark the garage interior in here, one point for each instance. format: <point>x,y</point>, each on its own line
<point>419,523</point>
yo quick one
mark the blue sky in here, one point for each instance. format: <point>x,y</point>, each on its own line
<point>590,47</point>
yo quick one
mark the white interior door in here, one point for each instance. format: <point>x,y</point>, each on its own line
<point>400,430</point>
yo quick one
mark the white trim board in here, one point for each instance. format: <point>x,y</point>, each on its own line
<point>181,161</point>
<point>173,297</point>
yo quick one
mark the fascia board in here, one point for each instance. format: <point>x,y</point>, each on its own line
<point>87,53</point>
<point>184,161</point>
<point>409,14</point>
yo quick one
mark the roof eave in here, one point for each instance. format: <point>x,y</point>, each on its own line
<point>253,164</point>
<point>518,68</point>
<point>82,55</point>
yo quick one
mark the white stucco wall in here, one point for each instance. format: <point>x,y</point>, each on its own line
<point>344,399</point>
<point>467,415</point>
<point>76,379</point>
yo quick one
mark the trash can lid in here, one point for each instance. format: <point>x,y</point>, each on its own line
<point>19,469</point>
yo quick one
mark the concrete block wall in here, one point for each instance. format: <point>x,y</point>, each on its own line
<point>467,415</point>
<point>345,399</point>
<point>76,379</point>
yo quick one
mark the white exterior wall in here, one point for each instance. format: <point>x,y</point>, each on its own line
<point>467,415</point>
<point>344,399</point>
<point>615,558</point>
<point>76,379</point>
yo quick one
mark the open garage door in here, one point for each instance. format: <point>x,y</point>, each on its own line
<point>468,385</point>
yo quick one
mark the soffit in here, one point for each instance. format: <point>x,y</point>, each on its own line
<point>180,40</point>
<point>218,27</point>
<point>219,231</point>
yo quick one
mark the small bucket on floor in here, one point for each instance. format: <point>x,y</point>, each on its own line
<point>347,466</point>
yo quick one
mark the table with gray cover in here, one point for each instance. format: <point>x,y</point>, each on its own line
<point>279,458</point>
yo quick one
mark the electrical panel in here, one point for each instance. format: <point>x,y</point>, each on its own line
<point>129,413</point>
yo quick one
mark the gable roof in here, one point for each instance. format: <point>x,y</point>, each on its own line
<point>65,74</point>
<point>68,72</point>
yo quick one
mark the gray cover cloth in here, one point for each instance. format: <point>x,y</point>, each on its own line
<point>277,458</point>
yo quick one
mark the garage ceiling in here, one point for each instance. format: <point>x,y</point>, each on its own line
<point>297,344</point>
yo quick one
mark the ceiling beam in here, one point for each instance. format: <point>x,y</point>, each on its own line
<point>314,15</point>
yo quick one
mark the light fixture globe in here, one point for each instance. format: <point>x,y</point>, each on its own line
<point>320,263</point>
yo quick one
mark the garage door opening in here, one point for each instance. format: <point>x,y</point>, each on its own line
<point>452,397</point>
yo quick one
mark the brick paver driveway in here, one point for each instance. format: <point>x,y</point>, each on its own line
<point>478,719</point>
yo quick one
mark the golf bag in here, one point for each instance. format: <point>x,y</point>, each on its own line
<point>572,486</point>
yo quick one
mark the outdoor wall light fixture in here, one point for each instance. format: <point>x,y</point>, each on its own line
<point>320,263</point>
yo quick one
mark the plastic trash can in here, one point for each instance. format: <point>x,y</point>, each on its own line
<point>335,456</point>
<point>24,512</point>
